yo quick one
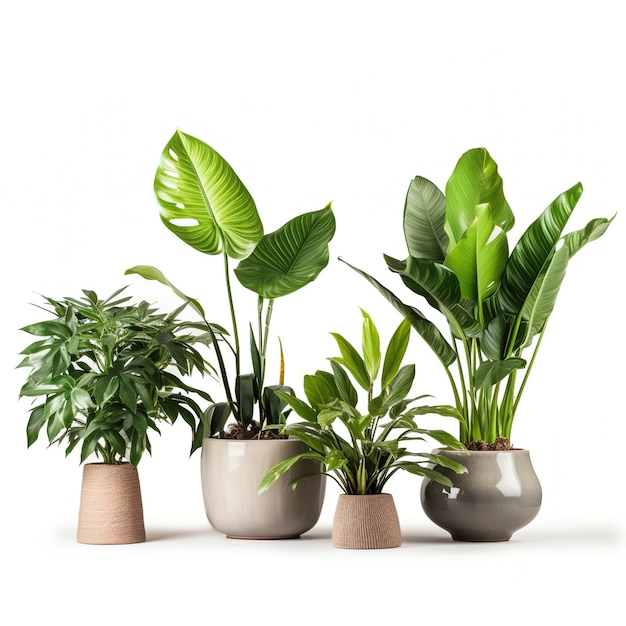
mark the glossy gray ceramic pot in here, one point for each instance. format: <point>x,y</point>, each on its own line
<point>499,495</point>
<point>231,471</point>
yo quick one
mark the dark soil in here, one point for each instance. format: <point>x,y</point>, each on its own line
<point>501,443</point>
<point>236,431</point>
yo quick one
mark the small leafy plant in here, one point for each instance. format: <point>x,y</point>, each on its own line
<point>104,375</point>
<point>362,450</point>
<point>203,201</point>
<point>496,305</point>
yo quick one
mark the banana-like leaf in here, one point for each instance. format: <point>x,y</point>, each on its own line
<point>492,372</point>
<point>440,286</point>
<point>541,299</point>
<point>479,257</point>
<point>291,257</point>
<point>203,201</point>
<point>475,180</point>
<point>534,248</point>
<point>592,231</point>
<point>424,220</point>
<point>427,330</point>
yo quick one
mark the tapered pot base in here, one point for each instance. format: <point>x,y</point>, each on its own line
<point>111,509</point>
<point>366,522</point>
<point>499,494</point>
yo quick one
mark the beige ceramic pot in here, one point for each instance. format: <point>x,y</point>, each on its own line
<point>111,510</point>
<point>231,472</point>
<point>366,522</point>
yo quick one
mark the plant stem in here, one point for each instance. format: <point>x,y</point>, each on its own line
<point>232,316</point>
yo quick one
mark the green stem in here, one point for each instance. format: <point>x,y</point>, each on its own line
<point>232,316</point>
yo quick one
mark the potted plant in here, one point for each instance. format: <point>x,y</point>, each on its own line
<point>203,201</point>
<point>361,443</point>
<point>103,375</point>
<point>496,306</point>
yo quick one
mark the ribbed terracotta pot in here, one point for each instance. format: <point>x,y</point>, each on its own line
<point>231,471</point>
<point>366,522</point>
<point>499,495</point>
<point>111,510</point>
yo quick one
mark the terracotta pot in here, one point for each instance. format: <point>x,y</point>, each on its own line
<point>231,471</point>
<point>366,522</point>
<point>499,495</point>
<point>111,511</point>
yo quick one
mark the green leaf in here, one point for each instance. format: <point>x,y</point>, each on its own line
<point>371,346</point>
<point>299,406</point>
<point>475,180</point>
<point>479,257</point>
<point>440,286</point>
<point>289,258</point>
<point>152,273</point>
<point>215,418</point>
<point>276,471</point>
<point>592,231</point>
<point>352,361</point>
<point>534,248</point>
<point>424,221</point>
<point>428,331</point>
<point>395,352</point>
<point>542,297</point>
<point>246,393</point>
<point>346,389</point>
<point>320,389</point>
<point>394,392</point>
<point>490,373</point>
<point>203,201</point>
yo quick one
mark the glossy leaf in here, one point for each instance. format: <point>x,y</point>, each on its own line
<point>394,354</point>
<point>479,257</point>
<point>534,248</point>
<point>429,331</point>
<point>352,361</point>
<point>289,258</point>
<point>424,221</point>
<point>203,201</point>
<point>440,286</point>
<point>475,180</point>
<point>490,373</point>
<point>370,346</point>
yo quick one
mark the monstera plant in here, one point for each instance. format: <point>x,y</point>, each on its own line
<point>495,305</point>
<point>204,203</point>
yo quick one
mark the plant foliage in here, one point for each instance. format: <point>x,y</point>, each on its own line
<point>104,373</point>
<point>496,304</point>
<point>360,449</point>
<point>203,201</point>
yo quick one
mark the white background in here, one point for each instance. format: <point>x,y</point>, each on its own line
<point>312,102</point>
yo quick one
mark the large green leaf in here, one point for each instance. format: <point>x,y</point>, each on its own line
<point>440,286</point>
<point>490,373</point>
<point>424,219</point>
<point>543,295</point>
<point>291,257</point>
<point>475,180</point>
<point>427,330</point>
<point>479,257</point>
<point>203,201</point>
<point>592,231</point>
<point>534,249</point>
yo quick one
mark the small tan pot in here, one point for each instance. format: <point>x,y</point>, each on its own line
<point>366,522</point>
<point>111,511</point>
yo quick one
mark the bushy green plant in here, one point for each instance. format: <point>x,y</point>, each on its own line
<point>496,305</point>
<point>203,201</point>
<point>362,449</point>
<point>104,373</point>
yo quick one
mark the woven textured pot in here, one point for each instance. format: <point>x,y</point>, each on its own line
<point>111,510</point>
<point>499,494</point>
<point>366,522</point>
<point>231,471</point>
